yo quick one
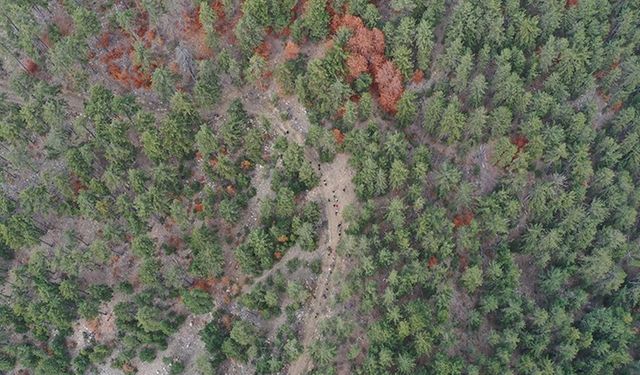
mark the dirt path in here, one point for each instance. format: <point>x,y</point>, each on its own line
<point>335,188</point>
<point>335,192</point>
<point>294,252</point>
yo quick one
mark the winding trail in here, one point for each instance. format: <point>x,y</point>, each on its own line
<point>335,186</point>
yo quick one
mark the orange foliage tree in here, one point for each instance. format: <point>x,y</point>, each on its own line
<point>366,53</point>
<point>418,76</point>
<point>463,219</point>
<point>433,261</point>
<point>520,141</point>
<point>390,88</point>
<point>291,50</point>
<point>338,136</point>
<point>356,64</point>
<point>30,66</point>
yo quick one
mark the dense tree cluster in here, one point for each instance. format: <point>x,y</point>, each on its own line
<point>164,178</point>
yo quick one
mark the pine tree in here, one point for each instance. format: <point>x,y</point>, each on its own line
<point>398,174</point>
<point>163,83</point>
<point>207,88</point>
<point>407,110</point>
<point>316,19</point>
<point>424,44</point>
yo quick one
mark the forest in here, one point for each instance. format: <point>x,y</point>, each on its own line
<point>322,187</point>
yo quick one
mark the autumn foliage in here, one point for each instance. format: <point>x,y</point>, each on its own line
<point>119,45</point>
<point>246,165</point>
<point>463,219</point>
<point>571,3</point>
<point>195,34</point>
<point>356,65</point>
<point>617,106</point>
<point>30,66</point>
<point>418,76</point>
<point>520,142</point>
<point>338,136</point>
<point>366,54</point>
<point>264,50</point>
<point>291,50</point>
<point>390,88</point>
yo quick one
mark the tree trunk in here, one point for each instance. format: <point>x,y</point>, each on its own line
<point>14,57</point>
<point>9,173</point>
<point>45,242</point>
<point>88,131</point>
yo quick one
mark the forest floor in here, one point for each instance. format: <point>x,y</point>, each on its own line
<point>335,188</point>
<point>335,192</point>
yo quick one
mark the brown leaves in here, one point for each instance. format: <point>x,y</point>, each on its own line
<point>191,21</point>
<point>367,42</point>
<point>338,136</point>
<point>291,51</point>
<point>30,66</point>
<point>617,106</point>
<point>175,242</point>
<point>227,321</point>
<point>218,7</point>
<point>76,185</point>
<point>366,47</point>
<point>282,238</point>
<point>128,368</point>
<point>246,165</point>
<point>389,81</point>
<point>349,21</point>
<point>418,76</point>
<point>63,21</point>
<point>520,141</point>
<point>104,41</point>
<point>356,64</point>
<point>571,3</point>
<point>194,33</point>
<point>463,219</point>
<point>206,285</point>
<point>131,76</point>
<point>264,50</point>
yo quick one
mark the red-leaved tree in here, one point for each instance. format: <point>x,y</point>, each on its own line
<point>389,81</point>
<point>366,53</point>
<point>357,64</point>
<point>291,50</point>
